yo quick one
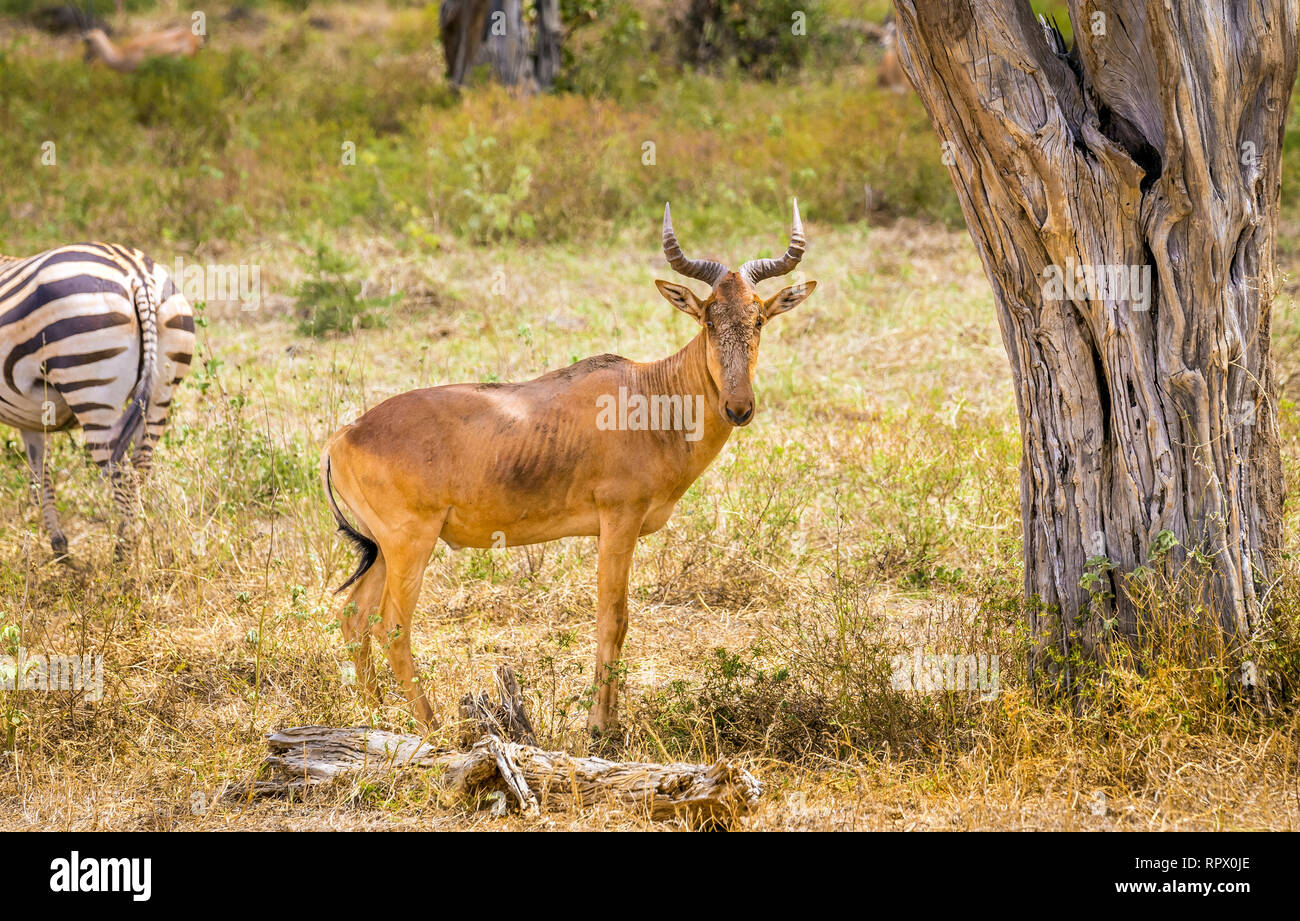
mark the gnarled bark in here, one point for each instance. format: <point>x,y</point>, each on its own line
<point>508,44</point>
<point>547,50</point>
<point>1153,145</point>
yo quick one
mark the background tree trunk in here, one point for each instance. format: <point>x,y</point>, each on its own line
<point>496,32</point>
<point>546,57</point>
<point>1153,145</point>
<point>461,23</point>
<point>508,44</point>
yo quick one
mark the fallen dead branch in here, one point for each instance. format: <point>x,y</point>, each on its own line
<point>507,758</point>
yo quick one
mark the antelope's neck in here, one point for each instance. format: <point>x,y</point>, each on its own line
<point>686,374</point>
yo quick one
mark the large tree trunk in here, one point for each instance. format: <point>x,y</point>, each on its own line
<point>1153,145</point>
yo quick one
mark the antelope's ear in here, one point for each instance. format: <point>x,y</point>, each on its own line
<point>787,298</point>
<point>681,297</point>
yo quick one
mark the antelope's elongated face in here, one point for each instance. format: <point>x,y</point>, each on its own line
<point>733,315</point>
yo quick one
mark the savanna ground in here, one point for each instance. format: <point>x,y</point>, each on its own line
<point>870,509</point>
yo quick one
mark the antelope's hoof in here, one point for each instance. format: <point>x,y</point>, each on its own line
<point>59,545</point>
<point>426,721</point>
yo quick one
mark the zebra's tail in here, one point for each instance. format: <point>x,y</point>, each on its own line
<point>368,549</point>
<point>132,421</point>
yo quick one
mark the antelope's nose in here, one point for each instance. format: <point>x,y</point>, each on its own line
<point>740,415</point>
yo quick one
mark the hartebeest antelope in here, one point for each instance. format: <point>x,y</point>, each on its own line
<point>482,465</point>
<point>179,41</point>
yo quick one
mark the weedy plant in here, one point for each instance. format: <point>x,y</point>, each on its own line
<point>331,300</point>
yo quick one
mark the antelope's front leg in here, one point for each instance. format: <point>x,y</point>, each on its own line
<point>619,530</point>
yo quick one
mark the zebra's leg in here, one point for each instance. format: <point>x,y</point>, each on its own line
<point>42,482</point>
<point>142,457</point>
<point>141,468</point>
<point>126,499</point>
<point>142,461</point>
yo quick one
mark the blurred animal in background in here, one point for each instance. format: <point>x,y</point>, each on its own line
<point>246,17</point>
<point>95,335</point>
<point>129,54</point>
<point>67,19</point>
<point>891,75</point>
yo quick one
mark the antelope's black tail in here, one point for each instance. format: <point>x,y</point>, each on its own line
<point>368,549</point>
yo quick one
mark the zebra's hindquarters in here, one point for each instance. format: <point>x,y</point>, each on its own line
<point>75,325</point>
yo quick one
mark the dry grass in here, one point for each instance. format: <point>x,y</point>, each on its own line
<point>871,506</point>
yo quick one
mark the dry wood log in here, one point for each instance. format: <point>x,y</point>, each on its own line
<point>532,778</point>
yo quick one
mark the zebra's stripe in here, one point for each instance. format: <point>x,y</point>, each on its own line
<point>57,290</point>
<point>55,333</point>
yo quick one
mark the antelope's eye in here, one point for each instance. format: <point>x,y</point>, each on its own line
<point>758,324</point>
<point>709,324</point>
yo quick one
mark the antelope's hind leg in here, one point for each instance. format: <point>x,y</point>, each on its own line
<point>42,486</point>
<point>359,612</point>
<point>407,550</point>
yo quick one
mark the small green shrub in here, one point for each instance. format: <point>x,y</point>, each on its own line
<point>330,300</point>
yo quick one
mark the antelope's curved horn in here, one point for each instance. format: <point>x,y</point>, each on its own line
<point>702,269</point>
<point>755,270</point>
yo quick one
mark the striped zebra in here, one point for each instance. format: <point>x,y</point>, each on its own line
<point>95,335</point>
